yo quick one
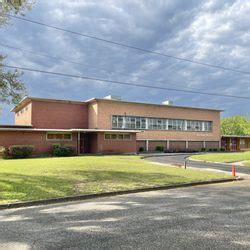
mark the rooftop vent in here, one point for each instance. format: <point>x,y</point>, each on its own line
<point>168,102</point>
<point>113,97</point>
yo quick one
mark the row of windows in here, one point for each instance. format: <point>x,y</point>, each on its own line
<point>114,136</point>
<point>59,136</point>
<point>132,122</point>
<point>68,136</point>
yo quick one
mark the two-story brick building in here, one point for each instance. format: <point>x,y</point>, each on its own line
<point>111,125</point>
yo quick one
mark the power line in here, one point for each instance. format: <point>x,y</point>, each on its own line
<point>41,54</point>
<point>131,46</point>
<point>57,58</point>
<point>122,83</point>
<point>33,52</point>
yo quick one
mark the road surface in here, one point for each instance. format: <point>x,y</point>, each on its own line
<point>201,217</point>
<point>178,159</point>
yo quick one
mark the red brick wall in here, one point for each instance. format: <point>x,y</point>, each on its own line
<point>59,115</point>
<point>23,117</point>
<point>195,145</point>
<point>140,144</point>
<point>37,139</point>
<point>108,108</point>
<point>177,145</point>
<point>116,146</point>
<point>212,144</point>
<point>153,144</point>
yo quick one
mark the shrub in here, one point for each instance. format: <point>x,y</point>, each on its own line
<point>6,153</point>
<point>222,149</point>
<point>210,150</point>
<point>62,150</point>
<point>159,148</point>
<point>215,149</point>
<point>18,151</point>
<point>141,149</point>
<point>203,149</point>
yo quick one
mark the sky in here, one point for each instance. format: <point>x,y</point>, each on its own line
<point>211,31</point>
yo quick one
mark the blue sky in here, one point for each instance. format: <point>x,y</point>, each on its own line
<point>215,32</point>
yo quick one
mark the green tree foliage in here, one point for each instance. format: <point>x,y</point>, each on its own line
<point>235,125</point>
<point>13,7</point>
<point>11,88</point>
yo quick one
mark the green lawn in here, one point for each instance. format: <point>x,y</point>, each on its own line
<point>34,179</point>
<point>223,157</point>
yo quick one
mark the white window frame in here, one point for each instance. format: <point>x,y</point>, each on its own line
<point>47,139</point>
<point>117,139</point>
<point>152,123</point>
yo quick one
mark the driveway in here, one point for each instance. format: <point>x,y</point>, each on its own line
<point>178,159</point>
<point>204,217</point>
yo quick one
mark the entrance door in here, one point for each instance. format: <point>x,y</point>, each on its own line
<point>85,140</point>
<point>82,142</point>
<point>234,144</point>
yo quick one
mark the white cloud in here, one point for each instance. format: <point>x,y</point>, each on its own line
<point>212,31</point>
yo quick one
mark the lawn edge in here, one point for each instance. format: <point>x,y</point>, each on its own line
<point>110,194</point>
<point>216,162</point>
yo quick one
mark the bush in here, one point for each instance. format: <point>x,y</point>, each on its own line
<point>210,150</point>
<point>62,150</point>
<point>159,148</point>
<point>203,149</point>
<point>215,149</point>
<point>141,149</point>
<point>18,152</point>
<point>6,153</point>
<point>222,149</point>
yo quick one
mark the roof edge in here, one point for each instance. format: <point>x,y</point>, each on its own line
<point>28,99</point>
<point>69,130</point>
<point>151,104</point>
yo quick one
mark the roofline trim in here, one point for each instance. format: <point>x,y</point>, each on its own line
<point>151,104</point>
<point>29,99</point>
<point>68,130</point>
<point>237,136</point>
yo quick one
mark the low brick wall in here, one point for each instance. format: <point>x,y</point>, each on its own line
<point>37,139</point>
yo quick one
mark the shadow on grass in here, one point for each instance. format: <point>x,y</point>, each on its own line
<point>20,187</point>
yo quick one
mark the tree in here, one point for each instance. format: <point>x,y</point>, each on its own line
<point>13,7</point>
<point>11,88</point>
<point>235,125</point>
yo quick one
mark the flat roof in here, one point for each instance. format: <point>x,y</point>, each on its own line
<point>15,126</point>
<point>237,136</point>
<point>28,99</point>
<point>68,130</point>
<point>153,104</point>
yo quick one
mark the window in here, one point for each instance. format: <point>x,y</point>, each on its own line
<point>120,137</point>
<point>133,122</point>
<point>207,126</point>
<point>113,136</point>
<point>126,137</point>
<point>59,136</point>
<point>242,141</point>
<point>117,136</point>
<point>155,123</point>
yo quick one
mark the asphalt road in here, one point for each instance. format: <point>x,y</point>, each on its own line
<point>180,158</point>
<point>204,217</point>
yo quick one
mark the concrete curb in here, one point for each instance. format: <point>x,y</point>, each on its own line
<point>216,162</point>
<point>109,194</point>
<point>167,154</point>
